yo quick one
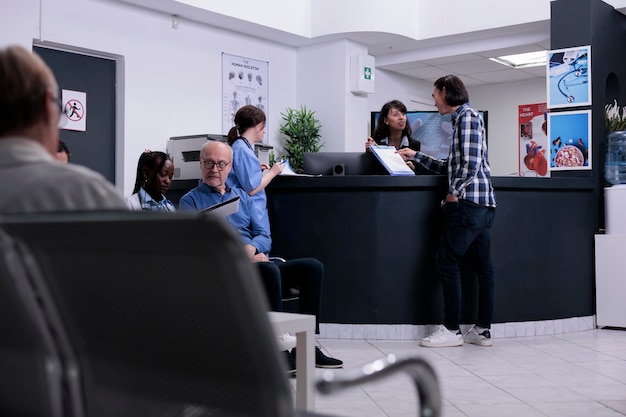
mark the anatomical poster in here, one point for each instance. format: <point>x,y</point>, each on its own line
<point>569,134</point>
<point>567,75</point>
<point>534,150</point>
<point>244,81</point>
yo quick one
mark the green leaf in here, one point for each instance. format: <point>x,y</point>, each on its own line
<point>303,135</point>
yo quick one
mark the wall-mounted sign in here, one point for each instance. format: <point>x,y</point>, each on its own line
<point>74,115</point>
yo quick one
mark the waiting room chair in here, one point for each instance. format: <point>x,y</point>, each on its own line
<point>165,314</point>
<point>31,375</point>
<point>36,362</point>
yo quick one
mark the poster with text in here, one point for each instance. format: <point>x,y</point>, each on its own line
<point>533,149</point>
<point>569,134</point>
<point>568,73</point>
<point>244,81</point>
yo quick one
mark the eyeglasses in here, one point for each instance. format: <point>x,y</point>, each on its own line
<point>210,164</point>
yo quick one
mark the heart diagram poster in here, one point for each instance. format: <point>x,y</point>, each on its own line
<point>534,150</point>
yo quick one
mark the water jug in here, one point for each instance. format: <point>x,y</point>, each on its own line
<point>615,163</point>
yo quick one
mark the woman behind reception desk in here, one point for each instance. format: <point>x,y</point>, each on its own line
<point>393,128</point>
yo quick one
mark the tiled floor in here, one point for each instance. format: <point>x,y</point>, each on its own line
<point>573,374</point>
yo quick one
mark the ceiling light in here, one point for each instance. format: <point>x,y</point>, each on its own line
<point>529,59</point>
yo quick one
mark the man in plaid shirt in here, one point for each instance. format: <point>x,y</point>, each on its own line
<point>469,211</point>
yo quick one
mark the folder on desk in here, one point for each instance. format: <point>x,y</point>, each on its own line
<point>223,209</point>
<point>392,161</point>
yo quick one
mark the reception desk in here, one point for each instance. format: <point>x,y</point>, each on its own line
<point>377,237</point>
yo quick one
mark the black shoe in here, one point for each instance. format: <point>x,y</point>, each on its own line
<point>291,362</point>
<point>323,361</point>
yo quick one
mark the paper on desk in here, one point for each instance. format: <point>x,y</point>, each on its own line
<point>392,161</point>
<point>287,170</point>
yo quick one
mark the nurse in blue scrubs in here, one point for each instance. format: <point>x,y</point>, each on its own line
<point>247,171</point>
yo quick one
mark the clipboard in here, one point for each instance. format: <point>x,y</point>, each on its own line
<point>223,209</point>
<point>392,161</point>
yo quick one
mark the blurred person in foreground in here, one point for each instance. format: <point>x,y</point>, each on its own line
<point>32,179</point>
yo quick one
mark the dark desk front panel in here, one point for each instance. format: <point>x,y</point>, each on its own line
<point>377,237</point>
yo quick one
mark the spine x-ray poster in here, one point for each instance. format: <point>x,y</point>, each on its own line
<point>244,81</point>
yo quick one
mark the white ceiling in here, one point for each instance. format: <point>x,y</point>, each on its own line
<point>466,55</point>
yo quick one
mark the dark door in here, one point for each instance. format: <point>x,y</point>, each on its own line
<point>95,76</point>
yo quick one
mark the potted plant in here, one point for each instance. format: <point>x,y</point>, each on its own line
<point>303,135</point>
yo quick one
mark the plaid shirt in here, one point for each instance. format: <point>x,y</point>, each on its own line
<point>467,163</point>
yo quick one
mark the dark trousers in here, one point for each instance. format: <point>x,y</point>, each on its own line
<point>307,274</point>
<point>466,232</point>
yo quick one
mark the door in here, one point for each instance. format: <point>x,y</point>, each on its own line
<point>95,76</point>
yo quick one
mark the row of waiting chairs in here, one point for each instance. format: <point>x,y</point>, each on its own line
<point>139,314</point>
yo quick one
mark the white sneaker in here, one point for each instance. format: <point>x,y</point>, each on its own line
<point>442,337</point>
<point>286,342</point>
<point>482,339</point>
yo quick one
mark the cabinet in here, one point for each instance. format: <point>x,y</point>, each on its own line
<point>611,280</point>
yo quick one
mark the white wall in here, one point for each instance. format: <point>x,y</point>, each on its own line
<point>502,101</point>
<point>172,77</point>
<point>324,86</point>
<point>172,80</point>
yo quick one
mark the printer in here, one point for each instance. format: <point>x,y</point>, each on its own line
<point>185,153</point>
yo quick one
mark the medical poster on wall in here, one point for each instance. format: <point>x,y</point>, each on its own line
<point>244,81</point>
<point>569,134</point>
<point>534,150</point>
<point>568,73</point>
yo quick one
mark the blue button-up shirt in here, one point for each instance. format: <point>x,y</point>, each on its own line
<point>248,221</point>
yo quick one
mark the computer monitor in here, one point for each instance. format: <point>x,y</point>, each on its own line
<point>342,163</point>
<point>433,130</point>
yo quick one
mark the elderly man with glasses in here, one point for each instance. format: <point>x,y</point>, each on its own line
<point>32,179</point>
<point>306,273</point>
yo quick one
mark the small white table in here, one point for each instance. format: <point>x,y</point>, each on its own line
<point>303,325</point>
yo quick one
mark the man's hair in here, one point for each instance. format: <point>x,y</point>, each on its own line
<point>24,80</point>
<point>455,91</point>
<point>209,142</point>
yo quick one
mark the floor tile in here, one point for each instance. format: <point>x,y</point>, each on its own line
<point>555,375</point>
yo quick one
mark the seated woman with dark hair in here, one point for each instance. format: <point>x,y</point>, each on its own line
<point>154,176</point>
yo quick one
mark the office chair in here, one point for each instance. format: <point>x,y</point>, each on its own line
<point>166,317</point>
<point>30,363</point>
<point>164,312</point>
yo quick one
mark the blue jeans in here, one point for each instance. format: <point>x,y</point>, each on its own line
<point>466,231</point>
